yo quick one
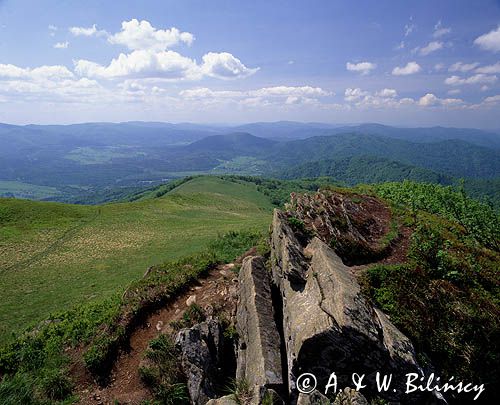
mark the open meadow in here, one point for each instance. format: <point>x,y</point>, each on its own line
<point>53,256</point>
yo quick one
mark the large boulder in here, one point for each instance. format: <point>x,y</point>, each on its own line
<point>259,357</point>
<point>328,324</point>
<point>226,400</point>
<point>201,348</point>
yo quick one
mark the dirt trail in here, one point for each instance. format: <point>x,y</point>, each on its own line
<point>217,291</point>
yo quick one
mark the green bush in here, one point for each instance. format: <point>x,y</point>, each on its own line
<point>240,391</point>
<point>55,384</point>
<point>446,300</point>
<point>480,221</point>
<point>232,244</point>
<point>163,374</point>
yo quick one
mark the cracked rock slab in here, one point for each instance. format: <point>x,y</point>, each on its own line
<point>201,350</point>
<point>259,358</point>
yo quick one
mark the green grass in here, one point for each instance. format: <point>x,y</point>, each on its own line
<point>18,189</point>
<point>54,256</point>
<point>35,365</point>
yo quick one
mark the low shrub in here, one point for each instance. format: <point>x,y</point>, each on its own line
<point>446,300</point>
<point>163,374</point>
<point>55,384</point>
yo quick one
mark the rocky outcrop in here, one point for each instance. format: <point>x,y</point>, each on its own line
<point>356,227</point>
<point>328,324</point>
<point>259,357</point>
<point>301,312</point>
<point>201,348</point>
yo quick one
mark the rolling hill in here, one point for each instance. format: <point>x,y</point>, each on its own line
<point>54,255</point>
<point>234,144</point>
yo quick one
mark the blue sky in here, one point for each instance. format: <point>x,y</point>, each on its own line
<point>398,62</point>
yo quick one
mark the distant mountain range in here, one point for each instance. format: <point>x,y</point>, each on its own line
<point>85,158</point>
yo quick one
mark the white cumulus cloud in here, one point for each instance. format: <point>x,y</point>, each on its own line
<point>430,100</point>
<point>409,69</point>
<point>431,47</point>
<point>492,99</point>
<point>479,78</point>
<point>266,96</point>
<point>54,72</point>
<point>387,93</point>
<point>290,91</point>
<point>490,69</point>
<point>45,83</point>
<point>362,67</point>
<point>86,31</point>
<point>354,94</point>
<point>204,92</point>
<point>141,63</point>
<point>225,66</point>
<point>382,99</point>
<point>52,30</point>
<point>139,35</point>
<point>166,64</point>
<point>150,56</point>
<point>489,41</point>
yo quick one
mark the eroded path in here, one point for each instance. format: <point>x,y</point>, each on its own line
<point>216,292</point>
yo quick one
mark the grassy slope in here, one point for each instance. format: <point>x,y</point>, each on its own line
<point>56,255</point>
<point>25,190</point>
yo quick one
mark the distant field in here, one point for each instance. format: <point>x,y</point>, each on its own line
<point>247,165</point>
<point>53,256</point>
<point>25,190</point>
<point>90,156</point>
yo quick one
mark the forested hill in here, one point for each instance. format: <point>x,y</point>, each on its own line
<point>451,157</point>
<point>364,169</point>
